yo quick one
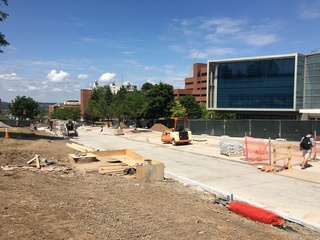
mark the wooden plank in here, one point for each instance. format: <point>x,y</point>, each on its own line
<point>281,146</point>
<point>114,164</point>
<point>233,155</point>
<point>80,147</point>
<point>282,158</point>
<point>115,171</point>
<point>114,167</point>
<point>37,161</point>
<point>132,154</point>
<point>111,152</point>
<point>150,172</point>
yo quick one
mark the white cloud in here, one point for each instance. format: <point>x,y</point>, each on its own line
<point>83,76</point>
<point>53,76</point>
<point>32,88</point>
<point>57,90</point>
<point>310,11</point>
<point>224,25</point>
<point>128,52</point>
<point>256,39</point>
<point>11,76</point>
<point>12,90</point>
<point>13,48</point>
<point>92,68</point>
<point>224,35</point>
<point>106,77</point>
<point>217,52</point>
<point>148,68</point>
<point>177,48</point>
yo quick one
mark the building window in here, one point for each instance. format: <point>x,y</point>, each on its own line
<point>264,83</point>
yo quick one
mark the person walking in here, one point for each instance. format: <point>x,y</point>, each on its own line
<point>306,144</point>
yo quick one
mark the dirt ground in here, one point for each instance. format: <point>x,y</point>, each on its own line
<point>61,203</point>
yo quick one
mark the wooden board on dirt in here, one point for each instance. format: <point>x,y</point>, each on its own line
<point>80,147</point>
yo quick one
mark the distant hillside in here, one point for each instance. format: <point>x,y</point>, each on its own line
<point>6,104</point>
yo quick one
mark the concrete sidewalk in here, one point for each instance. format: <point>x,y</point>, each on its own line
<point>294,194</point>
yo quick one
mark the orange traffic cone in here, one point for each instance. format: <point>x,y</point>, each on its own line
<point>7,133</point>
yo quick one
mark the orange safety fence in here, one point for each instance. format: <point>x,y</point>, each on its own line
<point>256,149</point>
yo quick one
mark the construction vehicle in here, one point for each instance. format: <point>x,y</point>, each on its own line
<point>177,132</point>
<point>71,129</point>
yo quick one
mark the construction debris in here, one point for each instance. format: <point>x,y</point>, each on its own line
<point>46,160</point>
<point>118,162</point>
<point>83,157</point>
<point>44,169</point>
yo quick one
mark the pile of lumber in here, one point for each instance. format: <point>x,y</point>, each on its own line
<point>116,169</point>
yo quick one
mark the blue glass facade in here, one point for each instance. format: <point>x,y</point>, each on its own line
<point>261,83</point>
<point>312,80</point>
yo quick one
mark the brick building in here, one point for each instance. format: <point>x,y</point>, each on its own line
<point>195,85</point>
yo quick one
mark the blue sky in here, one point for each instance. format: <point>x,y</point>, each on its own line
<point>58,47</point>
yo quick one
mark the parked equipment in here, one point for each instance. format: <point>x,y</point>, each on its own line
<point>178,133</point>
<point>70,129</point>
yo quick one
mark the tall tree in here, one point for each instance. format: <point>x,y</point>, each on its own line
<point>135,104</point>
<point>3,16</point>
<point>99,103</point>
<point>24,107</point>
<point>192,107</point>
<point>146,87</point>
<point>118,105</point>
<point>160,101</point>
<point>65,113</point>
<point>178,110</point>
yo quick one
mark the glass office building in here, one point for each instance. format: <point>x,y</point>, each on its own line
<point>269,85</point>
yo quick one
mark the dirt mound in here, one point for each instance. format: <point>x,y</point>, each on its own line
<point>158,127</point>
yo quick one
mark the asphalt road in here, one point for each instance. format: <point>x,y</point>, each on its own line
<point>201,166</point>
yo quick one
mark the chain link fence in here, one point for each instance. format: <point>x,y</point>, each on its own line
<point>291,130</point>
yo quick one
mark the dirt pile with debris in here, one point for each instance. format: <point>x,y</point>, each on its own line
<point>158,127</point>
<point>69,205</point>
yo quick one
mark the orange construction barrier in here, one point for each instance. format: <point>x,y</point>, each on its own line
<point>255,213</point>
<point>7,133</point>
<point>256,149</point>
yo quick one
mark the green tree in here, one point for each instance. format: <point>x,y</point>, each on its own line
<point>160,100</point>
<point>210,114</point>
<point>178,110</point>
<point>206,114</point>
<point>117,108</point>
<point>24,108</point>
<point>3,16</point>
<point>193,109</point>
<point>99,104</point>
<point>135,104</point>
<point>65,113</point>
<point>146,87</point>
